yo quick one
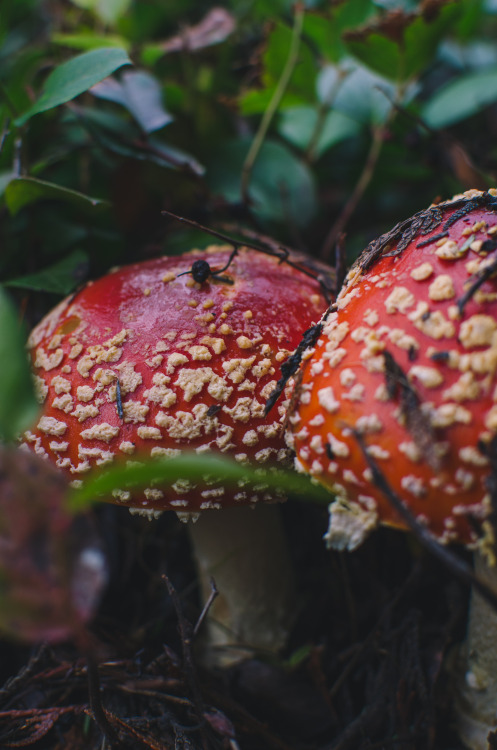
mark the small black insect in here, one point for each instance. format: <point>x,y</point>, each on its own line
<point>201,270</point>
<point>212,410</point>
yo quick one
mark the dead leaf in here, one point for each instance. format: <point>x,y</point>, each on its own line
<point>214,28</point>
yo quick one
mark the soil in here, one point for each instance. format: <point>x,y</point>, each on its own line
<point>365,669</point>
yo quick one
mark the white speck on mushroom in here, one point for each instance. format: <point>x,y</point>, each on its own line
<point>52,426</point>
<point>250,438</point>
<point>48,361</point>
<point>467,388</point>
<point>103,431</point>
<point>478,330</point>
<point>442,288</point>
<point>399,300</point>
<point>449,250</point>
<point>326,399</point>
<point>414,485</point>
<point>411,450</point>
<point>369,424</point>
<point>159,450</point>
<point>85,412</point>
<point>127,447</point>
<point>422,272</point>
<point>429,377</point>
<point>432,324</point>
<point>449,414</point>
<point>64,403</point>
<point>471,455</point>
<point>59,447</point>
<point>377,452</point>
<point>338,448</point>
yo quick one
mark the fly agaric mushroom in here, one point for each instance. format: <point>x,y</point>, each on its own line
<point>176,354</point>
<point>405,371</point>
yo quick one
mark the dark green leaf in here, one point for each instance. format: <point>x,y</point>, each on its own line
<point>281,189</point>
<point>196,467</point>
<point>76,76</point>
<point>461,98</point>
<point>401,45</point>
<point>22,191</point>
<point>59,278</point>
<point>378,53</point>
<point>422,37</point>
<point>326,30</point>
<point>141,94</point>
<point>18,406</point>
<point>302,84</point>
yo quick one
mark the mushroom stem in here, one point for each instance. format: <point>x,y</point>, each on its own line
<point>477,694</point>
<point>244,549</point>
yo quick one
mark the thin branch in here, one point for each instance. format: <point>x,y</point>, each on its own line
<point>213,594</point>
<point>96,708</point>
<point>273,105</point>
<point>282,253</point>
<point>323,111</point>
<point>361,185</point>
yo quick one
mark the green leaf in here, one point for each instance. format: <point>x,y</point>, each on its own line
<point>298,126</point>
<point>422,37</point>
<point>281,189</point>
<point>22,191</point>
<point>326,29</point>
<point>378,53</point>
<point>89,41</point>
<point>402,49</point>
<point>302,84</point>
<point>196,467</point>
<point>462,98</point>
<point>59,278</point>
<point>18,406</point>
<point>75,76</point>
<point>109,11</point>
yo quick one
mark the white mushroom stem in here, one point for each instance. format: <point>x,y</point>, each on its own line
<point>244,549</point>
<point>477,698</point>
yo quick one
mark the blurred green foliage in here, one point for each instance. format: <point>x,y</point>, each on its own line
<point>111,110</point>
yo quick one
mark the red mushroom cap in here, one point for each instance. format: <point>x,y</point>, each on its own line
<point>148,362</point>
<point>408,360</point>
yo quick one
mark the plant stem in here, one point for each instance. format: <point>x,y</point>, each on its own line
<point>357,193</point>
<point>272,108</point>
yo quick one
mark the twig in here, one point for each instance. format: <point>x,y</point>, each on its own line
<point>96,707</point>
<point>207,606</point>
<point>273,105</point>
<point>361,185</point>
<point>323,111</point>
<point>282,253</point>
<point>186,634</point>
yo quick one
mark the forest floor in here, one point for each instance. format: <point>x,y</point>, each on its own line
<point>364,669</point>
